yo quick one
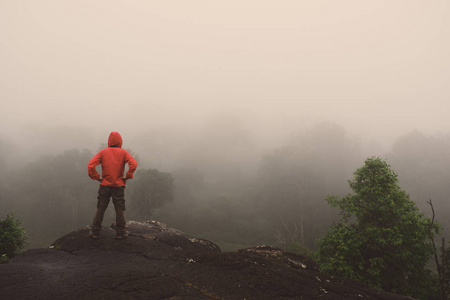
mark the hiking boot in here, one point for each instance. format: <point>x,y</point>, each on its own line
<point>94,235</point>
<point>122,235</point>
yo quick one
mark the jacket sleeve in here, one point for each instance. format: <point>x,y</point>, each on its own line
<point>132,165</point>
<point>95,161</point>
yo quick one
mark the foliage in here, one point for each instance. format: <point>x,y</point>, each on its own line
<point>446,268</point>
<point>382,238</point>
<point>12,238</point>
<point>151,189</point>
<point>422,285</point>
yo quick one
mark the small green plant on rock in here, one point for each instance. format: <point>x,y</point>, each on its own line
<point>12,238</point>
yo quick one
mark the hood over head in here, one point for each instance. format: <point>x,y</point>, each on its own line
<point>115,140</point>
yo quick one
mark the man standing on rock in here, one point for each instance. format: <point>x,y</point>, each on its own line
<point>112,183</point>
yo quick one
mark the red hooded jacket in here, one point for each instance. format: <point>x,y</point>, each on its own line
<point>113,160</point>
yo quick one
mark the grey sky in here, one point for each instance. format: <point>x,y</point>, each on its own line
<point>380,67</point>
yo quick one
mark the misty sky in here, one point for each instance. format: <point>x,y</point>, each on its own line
<point>375,67</point>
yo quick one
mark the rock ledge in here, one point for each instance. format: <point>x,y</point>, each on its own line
<point>159,262</point>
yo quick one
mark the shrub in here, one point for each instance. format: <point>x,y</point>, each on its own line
<point>12,238</point>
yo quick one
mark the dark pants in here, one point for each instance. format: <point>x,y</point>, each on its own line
<point>118,197</point>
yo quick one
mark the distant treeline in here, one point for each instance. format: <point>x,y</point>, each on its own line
<point>222,187</point>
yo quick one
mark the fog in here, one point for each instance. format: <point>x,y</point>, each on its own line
<point>378,68</point>
<point>219,85</point>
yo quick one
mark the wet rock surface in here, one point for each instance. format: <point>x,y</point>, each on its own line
<point>159,262</point>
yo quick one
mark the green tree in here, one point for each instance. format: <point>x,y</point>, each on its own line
<point>381,239</point>
<point>12,237</point>
<point>150,189</point>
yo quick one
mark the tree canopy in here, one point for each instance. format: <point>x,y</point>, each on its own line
<point>381,239</point>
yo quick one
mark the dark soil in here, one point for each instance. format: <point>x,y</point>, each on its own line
<point>158,262</point>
